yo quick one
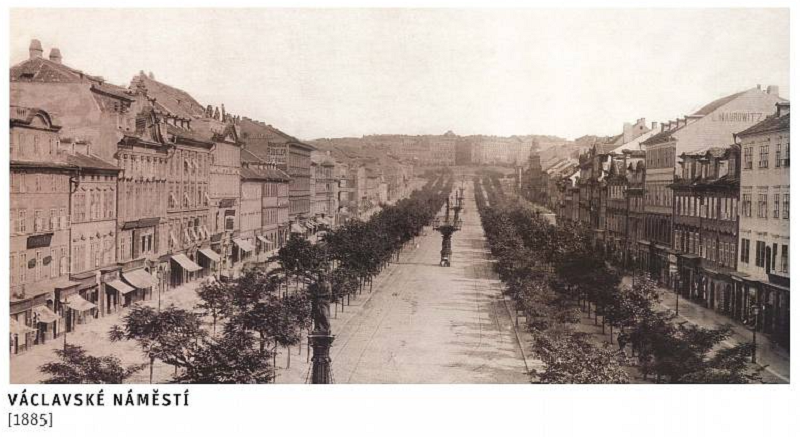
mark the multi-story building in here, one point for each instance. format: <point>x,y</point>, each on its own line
<point>616,221</point>
<point>93,234</point>
<point>41,179</point>
<point>109,120</point>
<point>273,230</point>
<point>534,181</point>
<point>762,277</point>
<point>348,175</point>
<point>443,149</point>
<point>187,179</point>
<point>711,125</point>
<point>288,154</point>
<point>634,196</point>
<point>706,226</point>
<point>252,183</point>
<point>492,150</point>
<point>224,190</point>
<point>325,186</point>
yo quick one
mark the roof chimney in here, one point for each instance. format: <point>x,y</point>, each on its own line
<point>655,125</point>
<point>151,75</point>
<point>782,108</point>
<point>55,55</point>
<point>35,49</point>
<point>772,90</point>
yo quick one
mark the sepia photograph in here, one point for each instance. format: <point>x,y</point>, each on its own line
<point>373,196</point>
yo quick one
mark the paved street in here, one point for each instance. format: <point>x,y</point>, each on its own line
<point>421,324</point>
<point>424,323</point>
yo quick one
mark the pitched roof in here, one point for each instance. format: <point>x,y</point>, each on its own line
<point>250,157</point>
<point>266,174</point>
<point>635,144</point>
<point>716,104</point>
<point>771,123</point>
<point>174,100</point>
<point>113,90</point>
<point>660,137</point>
<point>188,134</point>
<point>45,70</point>
<point>90,161</point>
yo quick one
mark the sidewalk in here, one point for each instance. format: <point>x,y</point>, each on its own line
<point>767,353</point>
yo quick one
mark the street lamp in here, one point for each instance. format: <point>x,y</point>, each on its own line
<point>755,310</point>
<point>321,337</point>
<point>677,283</point>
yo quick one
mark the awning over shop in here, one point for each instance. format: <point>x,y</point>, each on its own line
<point>264,239</point>
<point>19,328</point>
<point>210,254</point>
<point>120,286</point>
<point>139,278</point>
<point>45,315</point>
<point>243,244</point>
<point>77,303</point>
<point>186,263</point>
<point>297,229</point>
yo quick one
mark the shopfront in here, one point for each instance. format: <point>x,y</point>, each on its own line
<point>209,261</point>
<point>183,269</point>
<point>243,249</point>
<point>142,282</point>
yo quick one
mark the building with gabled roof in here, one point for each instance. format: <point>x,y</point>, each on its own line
<point>712,125</point>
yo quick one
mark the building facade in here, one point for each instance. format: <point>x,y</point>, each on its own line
<point>762,278</point>
<point>41,179</point>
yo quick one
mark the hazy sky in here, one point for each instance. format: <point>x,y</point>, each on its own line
<point>350,72</point>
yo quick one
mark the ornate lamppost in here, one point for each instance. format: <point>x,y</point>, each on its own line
<point>448,228</point>
<point>321,338</point>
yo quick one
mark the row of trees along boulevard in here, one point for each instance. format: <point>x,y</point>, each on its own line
<point>253,315</point>
<point>554,276</point>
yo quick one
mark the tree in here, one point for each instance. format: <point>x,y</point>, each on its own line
<point>630,305</point>
<point>165,335</point>
<point>214,300</point>
<point>729,365</point>
<point>231,359</point>
<point>75,366</point>
<point>572,359</point>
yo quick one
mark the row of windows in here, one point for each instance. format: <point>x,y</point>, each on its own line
<point>660,158</point>
<point>39,183</point>
<point>93,204</point>
<point>142,199</point>
<point>186,165</point>
<point>780,157</point>
<point>92,254</point>
<point>38,265</point>
<point>722,208</point>
<point>34,145</point>
<point>766,256</point>
<point>143,165</point>
<point>42,220</point>
<point>187,196</point>
<point>658,194</point>
<point>780,206</point>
